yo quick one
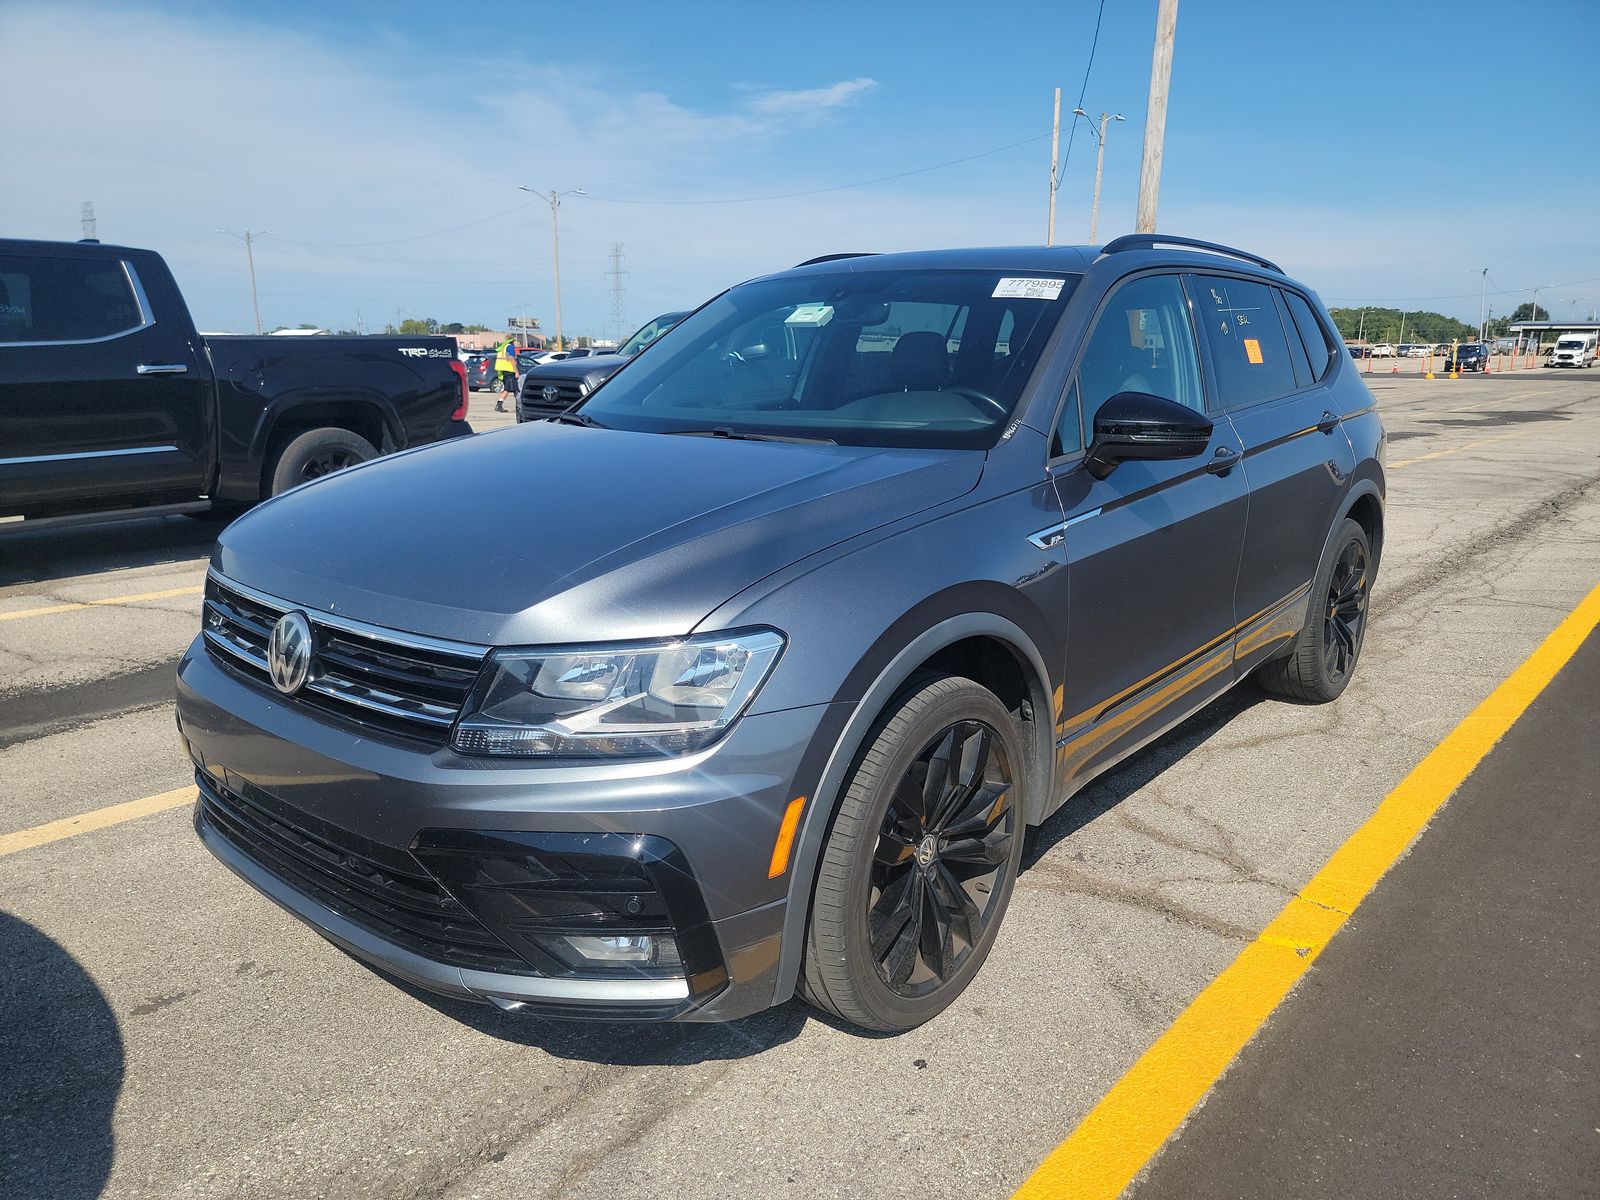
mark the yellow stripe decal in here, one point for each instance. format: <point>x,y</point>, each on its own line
<point>1143,1108</point>
<point>61,608</point>
<point>100,818</point>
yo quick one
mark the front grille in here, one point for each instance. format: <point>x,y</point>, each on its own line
<point>408,686</point>
<point>568,393</point>
<point>380,888</point>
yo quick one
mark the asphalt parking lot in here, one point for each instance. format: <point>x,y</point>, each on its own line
<point>167,1032</point>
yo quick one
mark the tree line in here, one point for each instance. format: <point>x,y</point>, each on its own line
<point>1394,325</point>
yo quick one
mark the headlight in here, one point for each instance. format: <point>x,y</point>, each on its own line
<point>607,701</point>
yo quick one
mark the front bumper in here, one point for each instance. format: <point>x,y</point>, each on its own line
<point>720,808</point>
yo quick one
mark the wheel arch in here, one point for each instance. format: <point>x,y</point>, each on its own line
<point>972,644</point>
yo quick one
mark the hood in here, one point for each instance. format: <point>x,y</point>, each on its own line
<point>551,533</point>
<point>591,369</point>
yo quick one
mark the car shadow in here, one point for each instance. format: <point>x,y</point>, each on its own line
<point>1139,769</point>
<point>41,555</point>
<point>61,1067</point>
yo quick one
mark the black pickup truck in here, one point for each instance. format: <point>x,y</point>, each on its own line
<point>111,403</point>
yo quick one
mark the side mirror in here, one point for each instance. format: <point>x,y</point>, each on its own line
<point>1137,425</point>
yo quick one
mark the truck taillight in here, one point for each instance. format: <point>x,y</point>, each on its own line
<point>460,413</point>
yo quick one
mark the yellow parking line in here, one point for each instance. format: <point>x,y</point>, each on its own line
<point>100,818</point>
<point>1406,462</point>
<point>1134,1119</point>
<point>61,608</point>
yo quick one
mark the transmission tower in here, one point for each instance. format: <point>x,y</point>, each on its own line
<point>88,219</point>
<point>619,311</point>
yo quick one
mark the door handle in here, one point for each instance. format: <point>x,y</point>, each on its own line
<point>162,369</point>
<point>1328,422</point>
<point>1223,460</point>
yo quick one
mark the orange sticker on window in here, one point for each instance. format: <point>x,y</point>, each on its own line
<point>1252,351</point>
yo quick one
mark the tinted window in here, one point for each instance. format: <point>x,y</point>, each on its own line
<point>1068,435</point>
<point>1141,342</point>
<point>64,299</point>
<point>1319,349</point>
<point>1304,376</point>
<point>1248,349</point>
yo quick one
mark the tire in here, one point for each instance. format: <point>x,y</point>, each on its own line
<point>1319,665</point>
<point>885,860</point>
<point>315,453</point>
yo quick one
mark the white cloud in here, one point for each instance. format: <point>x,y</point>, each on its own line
<point>346,153</point>
<point>811,101</point>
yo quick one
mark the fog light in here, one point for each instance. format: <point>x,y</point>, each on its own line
<point>619,950</point>
<point>615,949</point>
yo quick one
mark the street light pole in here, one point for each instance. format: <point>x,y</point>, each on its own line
<point>555,246</point>
<point>1099,169</point>
<point>247,237</point>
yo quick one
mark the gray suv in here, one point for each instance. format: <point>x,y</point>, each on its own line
<point>760,663</point>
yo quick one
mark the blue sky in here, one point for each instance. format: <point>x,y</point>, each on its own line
<point>1383,153</point>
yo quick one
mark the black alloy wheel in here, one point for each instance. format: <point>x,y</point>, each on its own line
<point>1346,611</point>
<point>331,459</point>
<point>315,453</point>
<point>1317,666</point>
<point>943,848</point>
<point>921,857</point>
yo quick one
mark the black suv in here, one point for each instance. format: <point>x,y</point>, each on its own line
<point>861,570</point>
<point>1469,356</point>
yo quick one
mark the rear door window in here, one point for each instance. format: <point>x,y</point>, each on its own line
<point>1319,349</point>
<point>1249,350</point>
<point>47,299</point>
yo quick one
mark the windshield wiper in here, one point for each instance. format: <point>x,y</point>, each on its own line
<point>576,418</point>
<point>744,435</point>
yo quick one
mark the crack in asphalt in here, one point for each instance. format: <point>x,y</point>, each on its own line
<point>1063,877</point>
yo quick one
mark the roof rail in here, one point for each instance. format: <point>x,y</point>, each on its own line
<point>1145,241</point>
<point>822,258</point>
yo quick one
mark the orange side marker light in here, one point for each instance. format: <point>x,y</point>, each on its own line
<point>785,842</point>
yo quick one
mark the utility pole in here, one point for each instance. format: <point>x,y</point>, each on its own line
<point>555,247</point>
<point>1483,296</point>
<point>248,238</point>
<point>1099,169</point>
<point>1055,143</point>
<point>1155,120</point>
<point>619,316</point>
<point>89,223</point>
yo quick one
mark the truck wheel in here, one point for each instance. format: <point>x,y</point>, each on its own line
<point>315,453</point>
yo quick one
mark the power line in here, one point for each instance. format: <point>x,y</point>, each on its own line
<point>838,187</point>
<point>1072,133</point>
<point>416,237</point>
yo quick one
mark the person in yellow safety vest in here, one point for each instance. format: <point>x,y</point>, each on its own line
<point>505,366</point>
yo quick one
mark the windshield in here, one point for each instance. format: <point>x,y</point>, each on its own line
<point>644,336</point>
<point>1569,343</point>
<point>873,358</point>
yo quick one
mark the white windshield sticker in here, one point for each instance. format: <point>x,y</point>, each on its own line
<point>1028,289</point>
<point>810,314</point>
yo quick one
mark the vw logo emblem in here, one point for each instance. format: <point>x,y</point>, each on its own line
<point>289,653</point>
<point>927,849</point>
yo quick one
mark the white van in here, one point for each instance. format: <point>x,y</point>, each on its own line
<point>1574,350</point>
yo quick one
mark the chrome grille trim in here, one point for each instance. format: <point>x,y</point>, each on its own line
<point>367,672</point>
